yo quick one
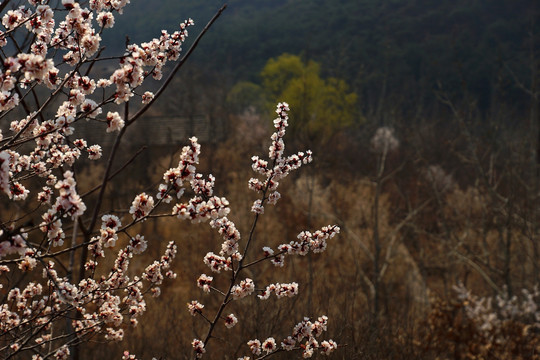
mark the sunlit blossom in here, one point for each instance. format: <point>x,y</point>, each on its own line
<point>105,295</point>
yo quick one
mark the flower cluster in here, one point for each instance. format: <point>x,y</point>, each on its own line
<point>279,166</point>
<point>231,236</point>
<point>199,210</point>
<point>230,321</point>
<point>127,356</point>
<point>502,326</point>
<point>230,257</point>
<point>204,282</point>
<point>490,314</point>
<point>108,311</point>
<point>12,243</point>
<point>315,242</point>
<point>203,206</point>
<point>303,338</point>
<point>245,288</point>
<point>281,290</point>
<point>67,203</point>
<point>61,46</point>
<point>78,40</point>
<point>142,206</point>
<point>307,242</point>
<point>198,348</point>
<point>48,75</point>
<point>217,263</point>
<point>154,54</point>
<point>195,307</point>
<point>154,272</point>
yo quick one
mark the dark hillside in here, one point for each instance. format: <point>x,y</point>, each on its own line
<point>405,46</point>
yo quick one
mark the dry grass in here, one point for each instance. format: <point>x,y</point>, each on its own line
<point>460,234</point>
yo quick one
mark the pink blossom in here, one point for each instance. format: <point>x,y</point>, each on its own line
<point>94,152</point>
<point>114,121</point>
<point>195,307</point>
<point>217,263</point>
<point>18,191</point>
<point>45,195</point>
<point>255,346</point>
<point>137,244</point>
<point>274,197</point>
<point>327,347</point>
<point>41,145</point>
<point>268,251</point>
<point>62,353</point>
<point>230,321</point>
<point>27,264</point>
<point>141,206</point>
<point>198,348</point>
<point>258,207</point>
<point>278,260</point>
<point>13,18</point>
<point>105,19</point>
<point>269,345</point>
<point>204,282</point>
<point>245,288</point>
<point>114,334</point>
<point>147,97</point>
<point>288,343</point>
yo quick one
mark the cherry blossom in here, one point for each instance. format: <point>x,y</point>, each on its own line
<point>195,307</point>
<point>114,121</point>
<point>40,153</point>
<point>245,288</point>
<point>141,206</point>
<point>198,348</point>
<point>255,346</point>
<point>204,282</point>
<point>230,321</point>
<point>269,345</point>
<point>232,255</point>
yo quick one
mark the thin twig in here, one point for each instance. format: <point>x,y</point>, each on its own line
<point>142,110</point>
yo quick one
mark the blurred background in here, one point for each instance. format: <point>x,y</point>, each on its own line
<point>423,117</point>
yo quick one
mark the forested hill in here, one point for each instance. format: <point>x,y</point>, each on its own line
<point>383,47</point>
